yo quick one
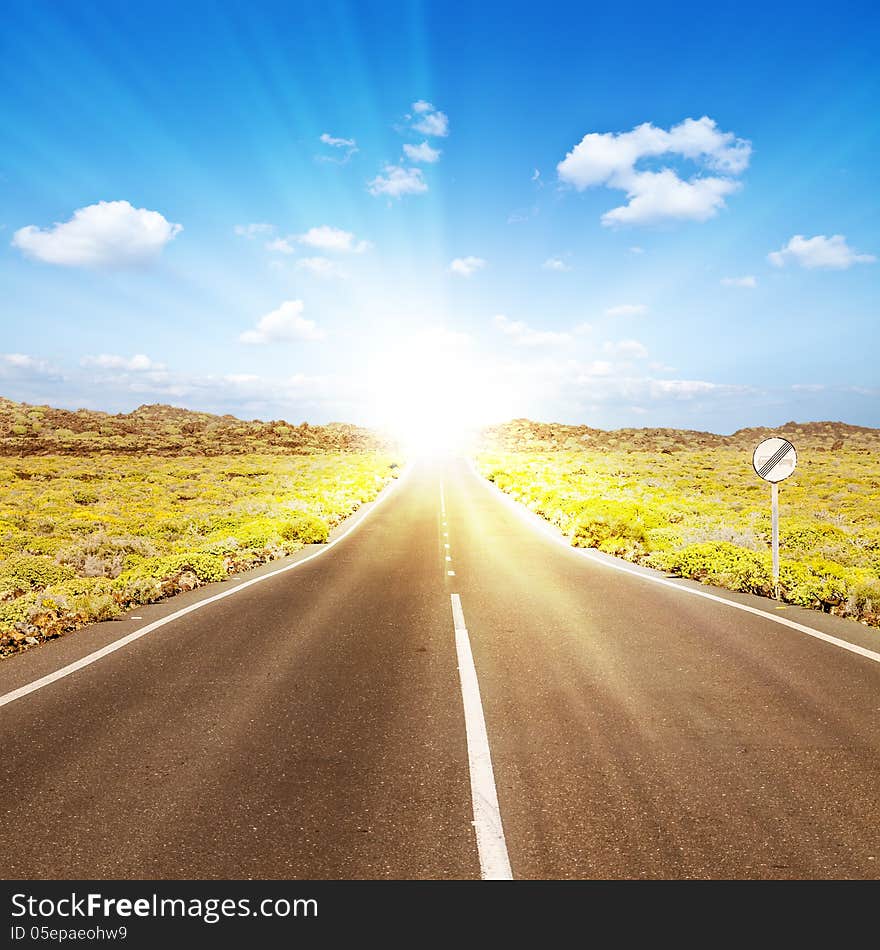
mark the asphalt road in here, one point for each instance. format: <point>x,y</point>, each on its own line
<point>316,724</point>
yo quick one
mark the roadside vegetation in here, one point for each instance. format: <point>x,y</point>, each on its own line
<point>86,537</point>
<point>693,507</point>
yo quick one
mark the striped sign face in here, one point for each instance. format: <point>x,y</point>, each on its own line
<point>774,459</point>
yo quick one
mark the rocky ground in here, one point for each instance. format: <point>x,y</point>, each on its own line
<point>167,431</point>
<point>523,435</point>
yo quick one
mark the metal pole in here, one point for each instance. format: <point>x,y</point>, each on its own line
<point>774,495</point>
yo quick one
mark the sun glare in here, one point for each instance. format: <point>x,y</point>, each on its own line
<point>430,394</point>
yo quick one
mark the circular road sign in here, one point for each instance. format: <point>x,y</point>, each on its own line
<point>774,459</point>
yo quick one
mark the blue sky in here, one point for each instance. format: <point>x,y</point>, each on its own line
<point>558,240</point>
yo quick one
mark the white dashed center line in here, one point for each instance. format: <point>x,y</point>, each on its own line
<point>491,846</point>
<point>445,532</point>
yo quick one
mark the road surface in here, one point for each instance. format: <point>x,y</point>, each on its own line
<point>325,722</point>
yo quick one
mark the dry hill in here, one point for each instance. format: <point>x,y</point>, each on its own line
<point>167,431</point>
<point>523,435</point>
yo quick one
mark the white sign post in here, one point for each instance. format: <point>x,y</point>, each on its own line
<point>774,460</point>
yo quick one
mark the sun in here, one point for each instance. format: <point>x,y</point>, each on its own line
<point>431,393</point>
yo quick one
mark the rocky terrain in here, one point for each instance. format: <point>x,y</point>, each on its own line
<point>523,435</point>
<point>166,431</point>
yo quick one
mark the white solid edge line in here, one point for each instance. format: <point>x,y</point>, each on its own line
<point>552,532</point>
<point>143,631</point>
<point>491,846</point>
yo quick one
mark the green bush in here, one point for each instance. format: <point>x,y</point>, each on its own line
<point>798,535</point>
<point>815,582</point>
<point>171,529</point>
<point>206,566</point>
<point>663,538</point>
<point>84,496</point>
<point>721,563</point>
<point>864,600</point>
<point>14,612</point>
<point>138,587</point>
<point>44,545</point>
<point>305,528</point>
<point>104,555</point>
<point>94,607</point>
<point>611,526</point>
<point>257,534</point>
<point>31,572</point>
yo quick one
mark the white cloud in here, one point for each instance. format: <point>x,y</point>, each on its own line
<point>555,263</point>
<point>109,233</point>
<point>536,174</point>
<point>283,326</point>
<point>524,335</point>
<point>331,140</point>
<point>609,159</point>
<point>248,392</point>
<point>21,363</point>
<point>747,281</point>
<point>832,253</point>
<point>436,123</point>
<point>280,246</point>
<point>319,266</point>
<point>683,388</point>
<point>21,360</point>
<point>422,153</point>
<point>398,181</point>
<point>430,121</point>
<point>465,266</point>
<point>635,249</point>
<point>247,395</point>
<point>324,238</point>
<point>626,310</point>
<point>328,238</point>
<point>626,349</point>
<point>600,158</point>
<point>655,197</point>
<point>872,392</point>
<point>250,231</point>
<point>31,379</point>
<point>139,363</point>
<point>606,384</point>
<point>346,147</point>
